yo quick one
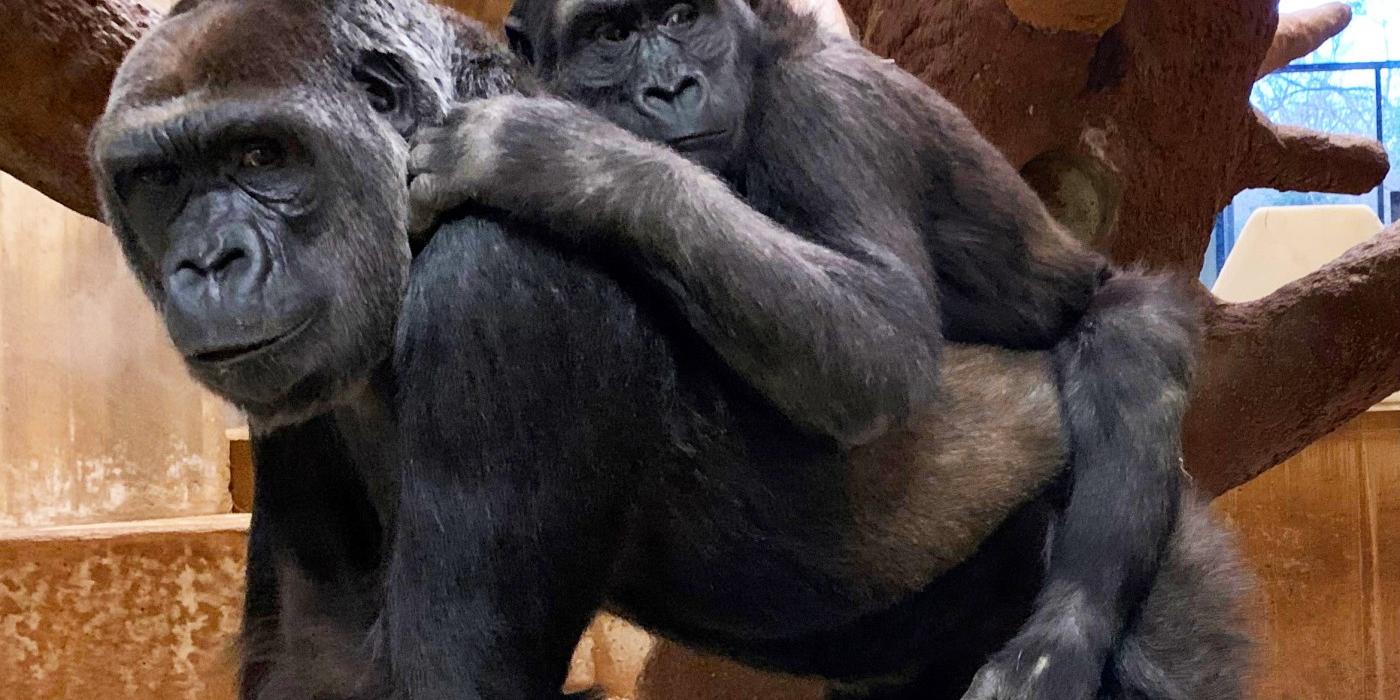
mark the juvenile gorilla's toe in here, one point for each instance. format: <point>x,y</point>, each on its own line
<point>1036,672</point>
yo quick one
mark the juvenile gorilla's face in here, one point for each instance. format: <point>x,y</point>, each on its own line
<point>260,201</point>
<point>677,72</point>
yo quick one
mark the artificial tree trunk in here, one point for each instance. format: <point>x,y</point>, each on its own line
<point>1131,117</point>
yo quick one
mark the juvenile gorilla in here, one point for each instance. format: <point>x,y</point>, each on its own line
<point>856,204</point>
<point>461,456</point>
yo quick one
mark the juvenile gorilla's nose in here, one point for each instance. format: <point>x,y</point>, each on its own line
<point>215,268</point>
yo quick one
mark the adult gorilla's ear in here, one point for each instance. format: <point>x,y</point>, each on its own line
<point>391,91</point>
<point>181,7</point>
<point>517,38</point>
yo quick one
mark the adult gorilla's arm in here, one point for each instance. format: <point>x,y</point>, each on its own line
<point>843,336</point>
<point>313,557</point>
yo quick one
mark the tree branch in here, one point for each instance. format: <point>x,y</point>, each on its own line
<point>1298,158</point>
<point>1283,371</point>
<point>1301,33</point>
<point>58,58</point>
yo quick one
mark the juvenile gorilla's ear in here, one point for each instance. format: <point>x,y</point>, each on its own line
<point>519,41</point>
<point>391,91</point>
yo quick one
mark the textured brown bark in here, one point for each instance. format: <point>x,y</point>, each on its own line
<point>1157,106</point>
<point>1301,33</point>
<point>1287,369</point>
<point>1286,157</point>
<point>58,58</point>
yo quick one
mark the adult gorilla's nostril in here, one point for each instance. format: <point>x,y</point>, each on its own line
<point>228,261</point>
<point>684,92</point>
<point>215,261</point>
<point>686,85</point>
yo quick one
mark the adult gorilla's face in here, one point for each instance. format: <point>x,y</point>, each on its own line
<point>674,72</point>
<point>260,198</point>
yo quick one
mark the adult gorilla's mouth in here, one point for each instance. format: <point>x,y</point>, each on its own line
<point>697,140</point>
<point>226,354</point>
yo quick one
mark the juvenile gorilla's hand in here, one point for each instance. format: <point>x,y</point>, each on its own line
<point>480,152</point>
<point>529,156</point>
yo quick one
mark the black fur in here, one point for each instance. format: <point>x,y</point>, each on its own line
<point>448,490</point>
<point>866,197</point>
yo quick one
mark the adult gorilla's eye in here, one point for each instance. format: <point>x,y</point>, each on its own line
<point>261,154</point>
<point>157,174</point>
<point>680,15</point>
<point>612,32</point>
<point>154,179</point>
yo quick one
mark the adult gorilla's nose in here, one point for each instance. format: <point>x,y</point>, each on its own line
<point>221,302</point>
<point>222,267</point>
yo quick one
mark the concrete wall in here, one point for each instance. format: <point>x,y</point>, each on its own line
<point>98,419</point>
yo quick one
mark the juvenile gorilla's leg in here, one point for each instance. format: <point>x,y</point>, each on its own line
<point>1123,379</point>
<point>516,379</point>
<point>1185,642</point>
<point>313,570</point>
<point>1188,640</point>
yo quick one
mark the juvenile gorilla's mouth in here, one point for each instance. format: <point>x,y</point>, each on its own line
<point>226,354</point>
<point>699,139</point>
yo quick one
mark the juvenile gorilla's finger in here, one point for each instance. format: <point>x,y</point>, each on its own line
<point>423,156</point>
<point>428,197</point>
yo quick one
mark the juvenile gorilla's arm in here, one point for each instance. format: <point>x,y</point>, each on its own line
<point>842,337</point>
<point>1008,274</point>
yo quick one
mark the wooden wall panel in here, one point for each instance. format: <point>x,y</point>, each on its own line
<point>98,419</point>
<point>122,611</point>
<point>1380,455</point>
<point>1322,533</point>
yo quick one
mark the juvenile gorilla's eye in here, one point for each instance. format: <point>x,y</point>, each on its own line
<point>680,15</point>
<point>612,32</point>
<point>381,98</point>
<point>261,154</point>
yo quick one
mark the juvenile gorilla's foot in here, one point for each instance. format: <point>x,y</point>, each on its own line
<point>1038,670</point>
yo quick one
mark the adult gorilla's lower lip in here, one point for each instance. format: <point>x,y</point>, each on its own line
<point>243,351</point>
<point>696,140</point>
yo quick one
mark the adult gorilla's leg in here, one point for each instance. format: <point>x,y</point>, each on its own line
<point>514,370</point>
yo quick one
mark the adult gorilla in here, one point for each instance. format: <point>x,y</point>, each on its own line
<point>439,510</point>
